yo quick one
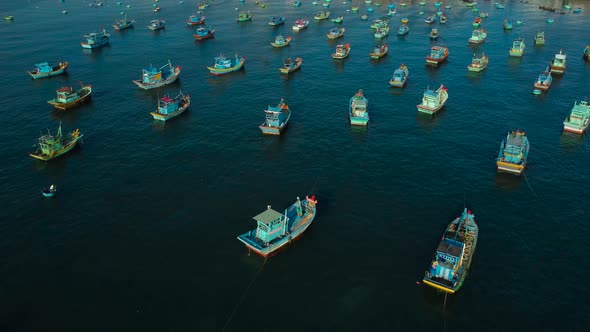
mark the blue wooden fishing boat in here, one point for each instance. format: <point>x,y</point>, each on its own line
<point>276,20</point>
<point>204,33</point>
<point>296,3</point>
<point>400,77</point>
<point>153,77</point>
<point>68,98</point>
<point>275,230</point>
<point>543,82</point>
<point>558,63</point>
<point>335,32</point>
<point>281,41</point>
<point>518,48</point>
<point>157,25</point>
<point>196,19</point>
<point>357,109</point>
<point>453,255</point>
<point>123,23</point>
<point>52,146</point>
<point>403,30</point>
<point>290,65</point>
<point>45,70</point>
<point>514,151</point>
<point>507,25</point>
<point>96,39</point>
<point>49,192</point>
<point>437,55</point>
<point>169,108</point>
<point>579,118</point>
<point>277,118</point>
<point>224,65</point>
<point>433,101</point>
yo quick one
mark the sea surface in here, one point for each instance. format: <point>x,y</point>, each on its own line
<point>142,233</point>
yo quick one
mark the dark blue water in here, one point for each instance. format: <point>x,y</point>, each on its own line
<point>142,235</point>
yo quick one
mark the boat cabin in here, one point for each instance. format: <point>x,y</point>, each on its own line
<point>222,62</point>
<point>49,143</point>
<point>43,67</point>
<point>168,105</point>
<point>151,75</point>
<point>448,259</point>
<point>431,99</point>
<point>513,151</point>
<point>271,225</point>
<point>275,116</point>
<point>437,53</point>
<point>66,94</point>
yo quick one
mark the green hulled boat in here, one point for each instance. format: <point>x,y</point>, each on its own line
<point>52,146</point>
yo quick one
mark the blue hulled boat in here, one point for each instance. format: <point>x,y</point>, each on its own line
<point>96,39</point>
<point>45,70</point>
<point>276,120</point>
<point>275,230</point>
<point>357,109</point>
<point>196,19</point>
<point>276,20</point>
<point>169,108</point>
<point>224,65</point>
<point>153,77</point>
<point>453,255</point>
<point>403,30</point>
<point>204,33</point>
<point>514,152</point>
<point>123,23</point>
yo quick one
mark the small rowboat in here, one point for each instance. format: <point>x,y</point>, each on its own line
<point>49,192</point>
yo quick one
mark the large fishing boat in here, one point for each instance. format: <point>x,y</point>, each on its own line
<point>153,77</point>
<point>579,118</point>
<point>335,33</point>
<point>357,110</point>
<point>558,63</point>
<point>204,33</point>
<point>379,51</point>
<point>44,69</point>
<point>275,230</point>
<point>123,23</point>
<point>281,41</point>
<point>540,38</point>
<point>53,146</point>
<point>433,101</point>
<point>453,255</point>
<point>169,108</point>
<point>514,151</point>
<point>68,98</point>
<point>243,17</point>
<point>290,65</point>
<point>381,32</point>
<point>400,77</point>
<point>518,47</point>
<point>342,51</point>
<point>96,39</point>
<point>478,36</point>
<point>224,65</point>
<point>196,19</point>
<point>544,80</point>
<point>321,15</point>
<point>277,118</point>
<point>276,20</point>
<point>478,63</point>
<point>437,55</point>
<point>157,25</point>
<point>300,24</point>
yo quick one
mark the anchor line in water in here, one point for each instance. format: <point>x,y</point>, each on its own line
<point>243,297</point>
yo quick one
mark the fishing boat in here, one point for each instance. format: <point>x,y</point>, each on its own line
<point>342,51</point>
<point>577,10</point>
<point>453,255</point>
<point>403,30</point>
<point>195,20</point>
<point>429,19</point>
<point>355,9</point>
<point>123,23</point>
<point>156,9</point>
<point>276,20</point>
<point>156,25</point>
<point>296,3</point>
<point>204,33</point>
<point>579,119</point>
<point>153,77</point>
<point>379,23</point>
<point>335,33</point>
<point>518,47</point>
<point>400,77</point>
<point>499,5</point>
<point>507,25</point>
<point>476,22</point>
<point>96,39</point>
<point>357,110</point>
<point>9,18</point>
<point>300,24</point>
<point>587,52</point>
<point>68,98</point>
<point>275,230</point>
<point>544,80</point>
<point>433,101</point>
<point>224,65</point>
<point>514,151</point>
<point>484,15</point>
<point>338,19</point>
<point>277,118</point>
<point>381,32</point>
<point>290,65</point>
<point>281,41</point>
<point>478,36</point>
<point>169,108</point>
<point>558,63</point>
<point>321,15</point>
<point>379,51</point>
<point>437,55</point>
<point>49,191</point>
<point>442,19</point>
<point>44,69</point>
<point>433,34</point>
<point>364,17</point>
<point>243,17</point>
<point>540,38</point>
<point>478,63</point>
<point>52,146</point>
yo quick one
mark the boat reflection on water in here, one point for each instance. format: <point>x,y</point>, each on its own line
<point>570,143</point>
<point>508,182</point>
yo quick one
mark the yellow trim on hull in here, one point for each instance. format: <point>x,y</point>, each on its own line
<point>509,165</point>
<point>437,286</point>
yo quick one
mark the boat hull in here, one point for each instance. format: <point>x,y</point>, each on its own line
<point>475,69</point>
<point>397,84</point>
<point>210,35</point>
<point>291,69</point>
<point>67,148</point>
<point>503,166</point>
<point>62,69</point>
<point>97,45</point>
<point>287,42</point>
<point>557,70</point>
<point>575,129</point>
<point>435,61</point>
<point>218,72</point>
<point>166,117</point>
<point>516,53</point>
<point>358,121</point>
<point>169,80</point>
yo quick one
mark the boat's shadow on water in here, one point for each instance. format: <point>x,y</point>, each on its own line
<point>570,142</point>
<point>96,52</point>
<point>58,167</point>
<point>339,65</point>
<point>177,122</point>
<point>430,121</point>
<point>223,79</point>
<point>507,181</point>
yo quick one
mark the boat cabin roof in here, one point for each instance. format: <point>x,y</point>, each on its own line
<point>430,93</point>
<point>269,215</point>
<point>42,64</point>
<point>560,56</point>
<point>450,247</point>
<point>516,140</point>
<point>167,99</point>
<point>65,89</point>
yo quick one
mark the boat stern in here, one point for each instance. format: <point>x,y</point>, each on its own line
<point>503,166</point>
